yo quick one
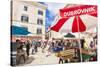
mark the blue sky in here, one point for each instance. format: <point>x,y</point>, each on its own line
<point>49,18</point>
<point>51,12</point>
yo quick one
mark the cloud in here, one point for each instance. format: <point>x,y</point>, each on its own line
<point>53,10</point>
<point>54,7</point>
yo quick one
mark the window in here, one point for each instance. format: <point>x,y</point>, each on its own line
<point>24,18</point>
<point>39,21</point>
<point>39,31</point>
<point>25,8</point>
<point>40,12</point>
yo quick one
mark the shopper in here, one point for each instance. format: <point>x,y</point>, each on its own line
<point>18,43</point>
<point>28,47</point>
<point>35,47</point>
<point>91,45</point>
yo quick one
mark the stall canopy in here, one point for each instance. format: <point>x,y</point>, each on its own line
<point>69,35</point>
<point>16,30</point>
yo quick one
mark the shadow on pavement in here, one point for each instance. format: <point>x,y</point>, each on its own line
<point>28,61</point>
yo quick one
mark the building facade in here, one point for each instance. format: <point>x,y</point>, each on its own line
<point>50,35</point>
<point>30,15</point>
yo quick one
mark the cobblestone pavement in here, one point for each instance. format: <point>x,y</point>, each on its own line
<point>40,58</point>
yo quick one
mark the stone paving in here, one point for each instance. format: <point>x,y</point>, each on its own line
<point>40,58</point>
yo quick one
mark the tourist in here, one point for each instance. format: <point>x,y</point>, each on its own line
<point>47,49</point>
<point>33,43</point>
<point>20,53</point>
<point>18,43</point>
<point>43,47</point>
<point>28,47</point>
<point>91,45</point>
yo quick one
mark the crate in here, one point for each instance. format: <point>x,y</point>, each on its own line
<point>67,54</point>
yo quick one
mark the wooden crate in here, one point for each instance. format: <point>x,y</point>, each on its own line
<point>67,54</point>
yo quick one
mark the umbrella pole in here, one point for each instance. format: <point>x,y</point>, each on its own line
<point>79,40</point>
<point>80,48</point>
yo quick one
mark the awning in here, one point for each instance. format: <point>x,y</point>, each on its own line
<point>69,35</point>
<point>16,30</point>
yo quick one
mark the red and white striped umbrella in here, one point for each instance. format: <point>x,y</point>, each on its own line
<point>76,19</point>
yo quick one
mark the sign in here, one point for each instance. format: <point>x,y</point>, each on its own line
<point>78,10</point>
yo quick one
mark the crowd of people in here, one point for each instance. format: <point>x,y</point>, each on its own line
<point>49,47</point>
